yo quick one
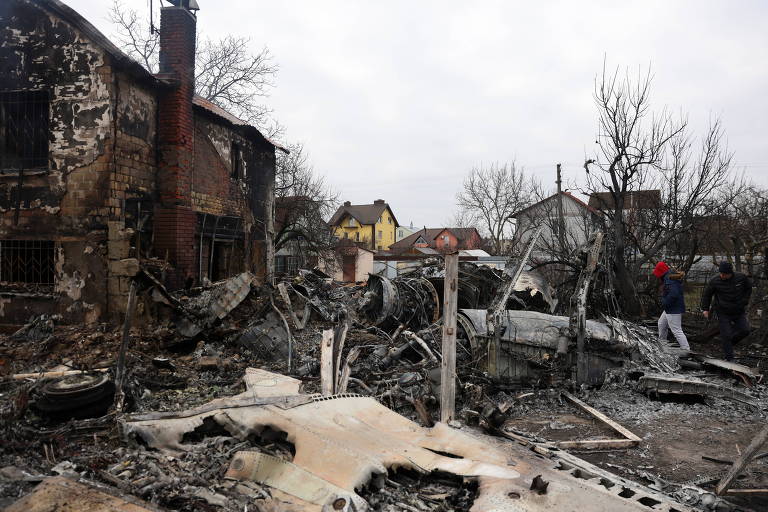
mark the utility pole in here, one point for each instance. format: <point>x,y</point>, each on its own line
<point>560,217</point>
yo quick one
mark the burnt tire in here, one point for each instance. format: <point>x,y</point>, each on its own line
<point>77,396</point>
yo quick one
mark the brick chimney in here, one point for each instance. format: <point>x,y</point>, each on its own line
<point>175,221</point>
<point>379,201</point>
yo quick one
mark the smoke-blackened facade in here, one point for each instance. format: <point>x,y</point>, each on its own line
<point>106,169</point>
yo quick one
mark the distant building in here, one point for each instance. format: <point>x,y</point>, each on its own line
<point>579,220</point>
<point>372,224</point>
<point>404,231</point>
<point>440,240</point>
<point>356,262</point>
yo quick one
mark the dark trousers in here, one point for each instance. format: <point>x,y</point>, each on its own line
<point>733,329</point>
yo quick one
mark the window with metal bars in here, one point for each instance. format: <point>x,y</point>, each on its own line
<point>27,261</point>
<point>24,130</point>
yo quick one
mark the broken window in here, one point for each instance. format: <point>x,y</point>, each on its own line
<point>351,222</point>
<point>237,161</point>
<point>286,265</point>
<point>27,261</point>
<point>23,130</point>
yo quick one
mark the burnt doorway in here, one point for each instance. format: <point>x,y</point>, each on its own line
<point>348,268</point>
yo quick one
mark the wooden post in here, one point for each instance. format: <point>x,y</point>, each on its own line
<point>326,363</point>
<point>738,466</point>
<point>120,366</point>
<point>448,368</point>
<point>339,336</point>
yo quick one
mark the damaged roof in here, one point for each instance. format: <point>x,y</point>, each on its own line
<point>123,61</point>
<point>211,108</point>
<point>119,58</point>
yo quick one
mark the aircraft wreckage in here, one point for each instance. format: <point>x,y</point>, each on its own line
<point>338,450</point>
<point>508,324</point>
<point>344,444</point>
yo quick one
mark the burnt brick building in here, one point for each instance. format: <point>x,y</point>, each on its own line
<point>105,167</point>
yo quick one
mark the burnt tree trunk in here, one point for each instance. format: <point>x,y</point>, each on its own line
<point>764,293</point>
<point>624,280</point>
<point>736,253</point>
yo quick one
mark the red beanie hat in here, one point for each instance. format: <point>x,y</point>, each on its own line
<point>661,269</point>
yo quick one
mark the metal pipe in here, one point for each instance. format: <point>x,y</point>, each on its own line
<point>213,243</point>
<point>200,252</point>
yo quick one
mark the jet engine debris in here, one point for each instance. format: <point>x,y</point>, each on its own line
<point>661,384</point>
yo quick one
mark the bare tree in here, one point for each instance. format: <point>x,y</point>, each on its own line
<point>641,150</point>
<point>135,35</point>
<point>226,72</point>
<point>738,226</point>
<point>463,219</point>
<point>303,201</point>
<point>492,195</point>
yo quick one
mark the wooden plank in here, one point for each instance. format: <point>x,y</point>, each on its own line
<point>422,412</point>
<point>339,337</point>
<point>346,372</point>
<point>326,363</point>
<point>746,491</point>
<point>602,417</point>
<point>448,366</point>
<point>598,444</point>
<point>514,437</point>
<point>50,375</point>
<point>738,466</point>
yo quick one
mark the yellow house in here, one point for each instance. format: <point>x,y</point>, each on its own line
<point>372,224</point>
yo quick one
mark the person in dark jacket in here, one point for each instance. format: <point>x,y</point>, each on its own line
<point>673,302</point>
<point>731,292</point>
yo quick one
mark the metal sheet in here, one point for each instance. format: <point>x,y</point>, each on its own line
<point>64,495</point>
<point>292,479</point>
<point>345,441</point>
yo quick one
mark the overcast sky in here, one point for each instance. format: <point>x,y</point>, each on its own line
<point>398,100</point>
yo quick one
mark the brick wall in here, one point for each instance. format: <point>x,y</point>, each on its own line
<point>174,220</point>
<point>214,190</point>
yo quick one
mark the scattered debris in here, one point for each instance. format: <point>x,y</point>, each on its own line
<point>39,329</point>
<point>738,466</point>
<point>629,440</point>
<point>351,422</point>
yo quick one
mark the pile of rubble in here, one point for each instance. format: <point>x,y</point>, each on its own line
<point>316,395</point>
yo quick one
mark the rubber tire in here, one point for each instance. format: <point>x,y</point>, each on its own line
<point>87,400</point>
